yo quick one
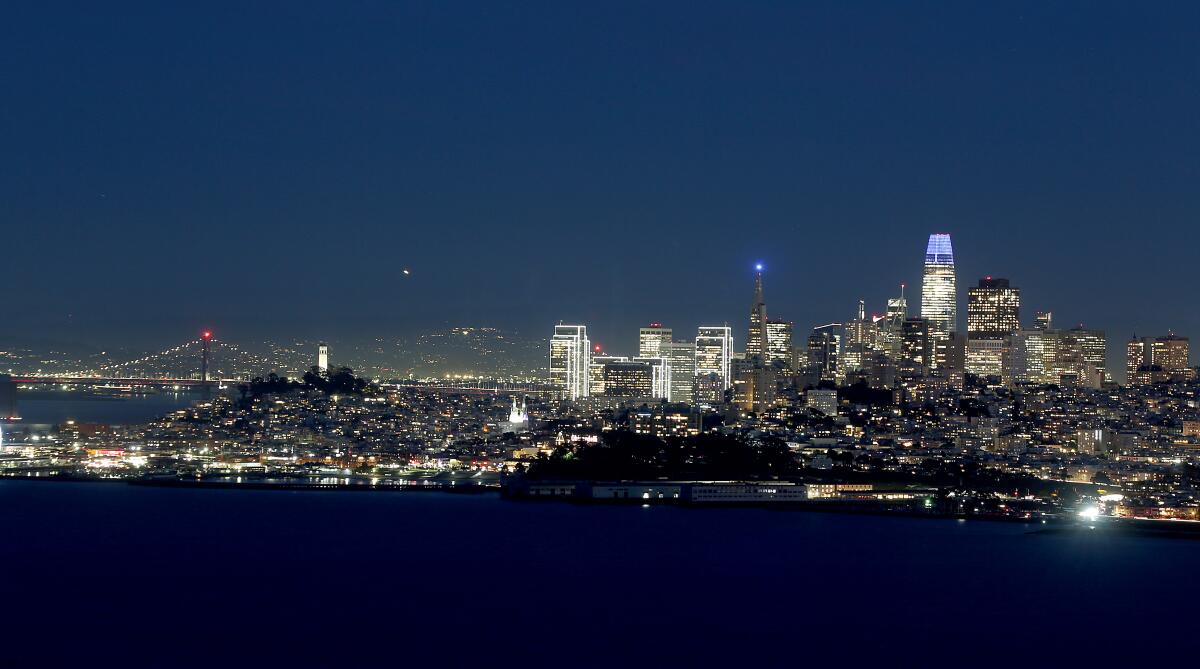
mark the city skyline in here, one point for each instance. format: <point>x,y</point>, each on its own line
<point>480,181</point>
<point>586,327</point>
<point>995,339</point>
<point>629,345</point>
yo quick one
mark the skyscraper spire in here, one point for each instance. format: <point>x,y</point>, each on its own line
<point>756,341</point>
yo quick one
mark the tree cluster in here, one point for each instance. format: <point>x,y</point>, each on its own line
<point>623,455</point>
<point>340,381</point>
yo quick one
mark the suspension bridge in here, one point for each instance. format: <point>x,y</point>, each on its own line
<point>190,364</point>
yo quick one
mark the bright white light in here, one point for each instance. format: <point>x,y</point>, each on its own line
<point>1115,497</point>
<point>1090,513</point>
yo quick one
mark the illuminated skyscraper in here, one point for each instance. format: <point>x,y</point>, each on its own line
<point>1157,359</point>
<point>939,290</point>
<point>825,351</point>
<point>570,353</point>
<point>323,357</point>
<point>1136,356</point>
<point>681,356</point>
<point>891,333</point>
<point>915,343</point>
<point>1094,346</point>
<point>628,378</point>
<point>993,316</point>
<point>779,343</point>
<point>652,340</point>
<point>1171,353</point>
<point>714,350</point>
<point>756,340</point>
<point>596,372</point>
<point>993,309</point>
<point>859,338</point>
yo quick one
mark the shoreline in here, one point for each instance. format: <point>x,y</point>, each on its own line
<point>1049,525</point>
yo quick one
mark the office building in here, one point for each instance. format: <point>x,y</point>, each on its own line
<point>825,349</point>
<point>993,316</point>
<point>714,351</point>
<point>754,387</point>
<point>570,361</point>
<point>824,400</point>
<point>915,344</point>
<point>891,331</point>
<point>993,309</point>
<point>596,372</point>
<point>1157,360</point>
<point>779,343</point>
<point>939,296</point>
<point>681,357</point>
<point>628,378</point>
<point>1094,347</point>
<point>1171,353</point>
<point>652,340</point>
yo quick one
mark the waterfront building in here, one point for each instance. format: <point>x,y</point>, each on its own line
<point>939,296</point>
<point>570,360</point>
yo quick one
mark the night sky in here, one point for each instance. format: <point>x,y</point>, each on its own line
<point>269,169</point>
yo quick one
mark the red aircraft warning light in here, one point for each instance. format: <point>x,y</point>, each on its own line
<point>207,334</point>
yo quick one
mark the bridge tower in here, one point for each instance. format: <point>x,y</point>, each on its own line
<point>204,339</point>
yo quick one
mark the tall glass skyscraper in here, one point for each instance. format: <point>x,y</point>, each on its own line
<point>939,296</point>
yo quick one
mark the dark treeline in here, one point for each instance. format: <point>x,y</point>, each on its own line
<point>627,455</point>
<point>340,381</point>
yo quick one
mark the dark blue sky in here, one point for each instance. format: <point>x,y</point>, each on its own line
<point>267,168</point>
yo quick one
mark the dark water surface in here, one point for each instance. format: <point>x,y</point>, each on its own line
<point>167,577</point>
<point>54,407</point>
